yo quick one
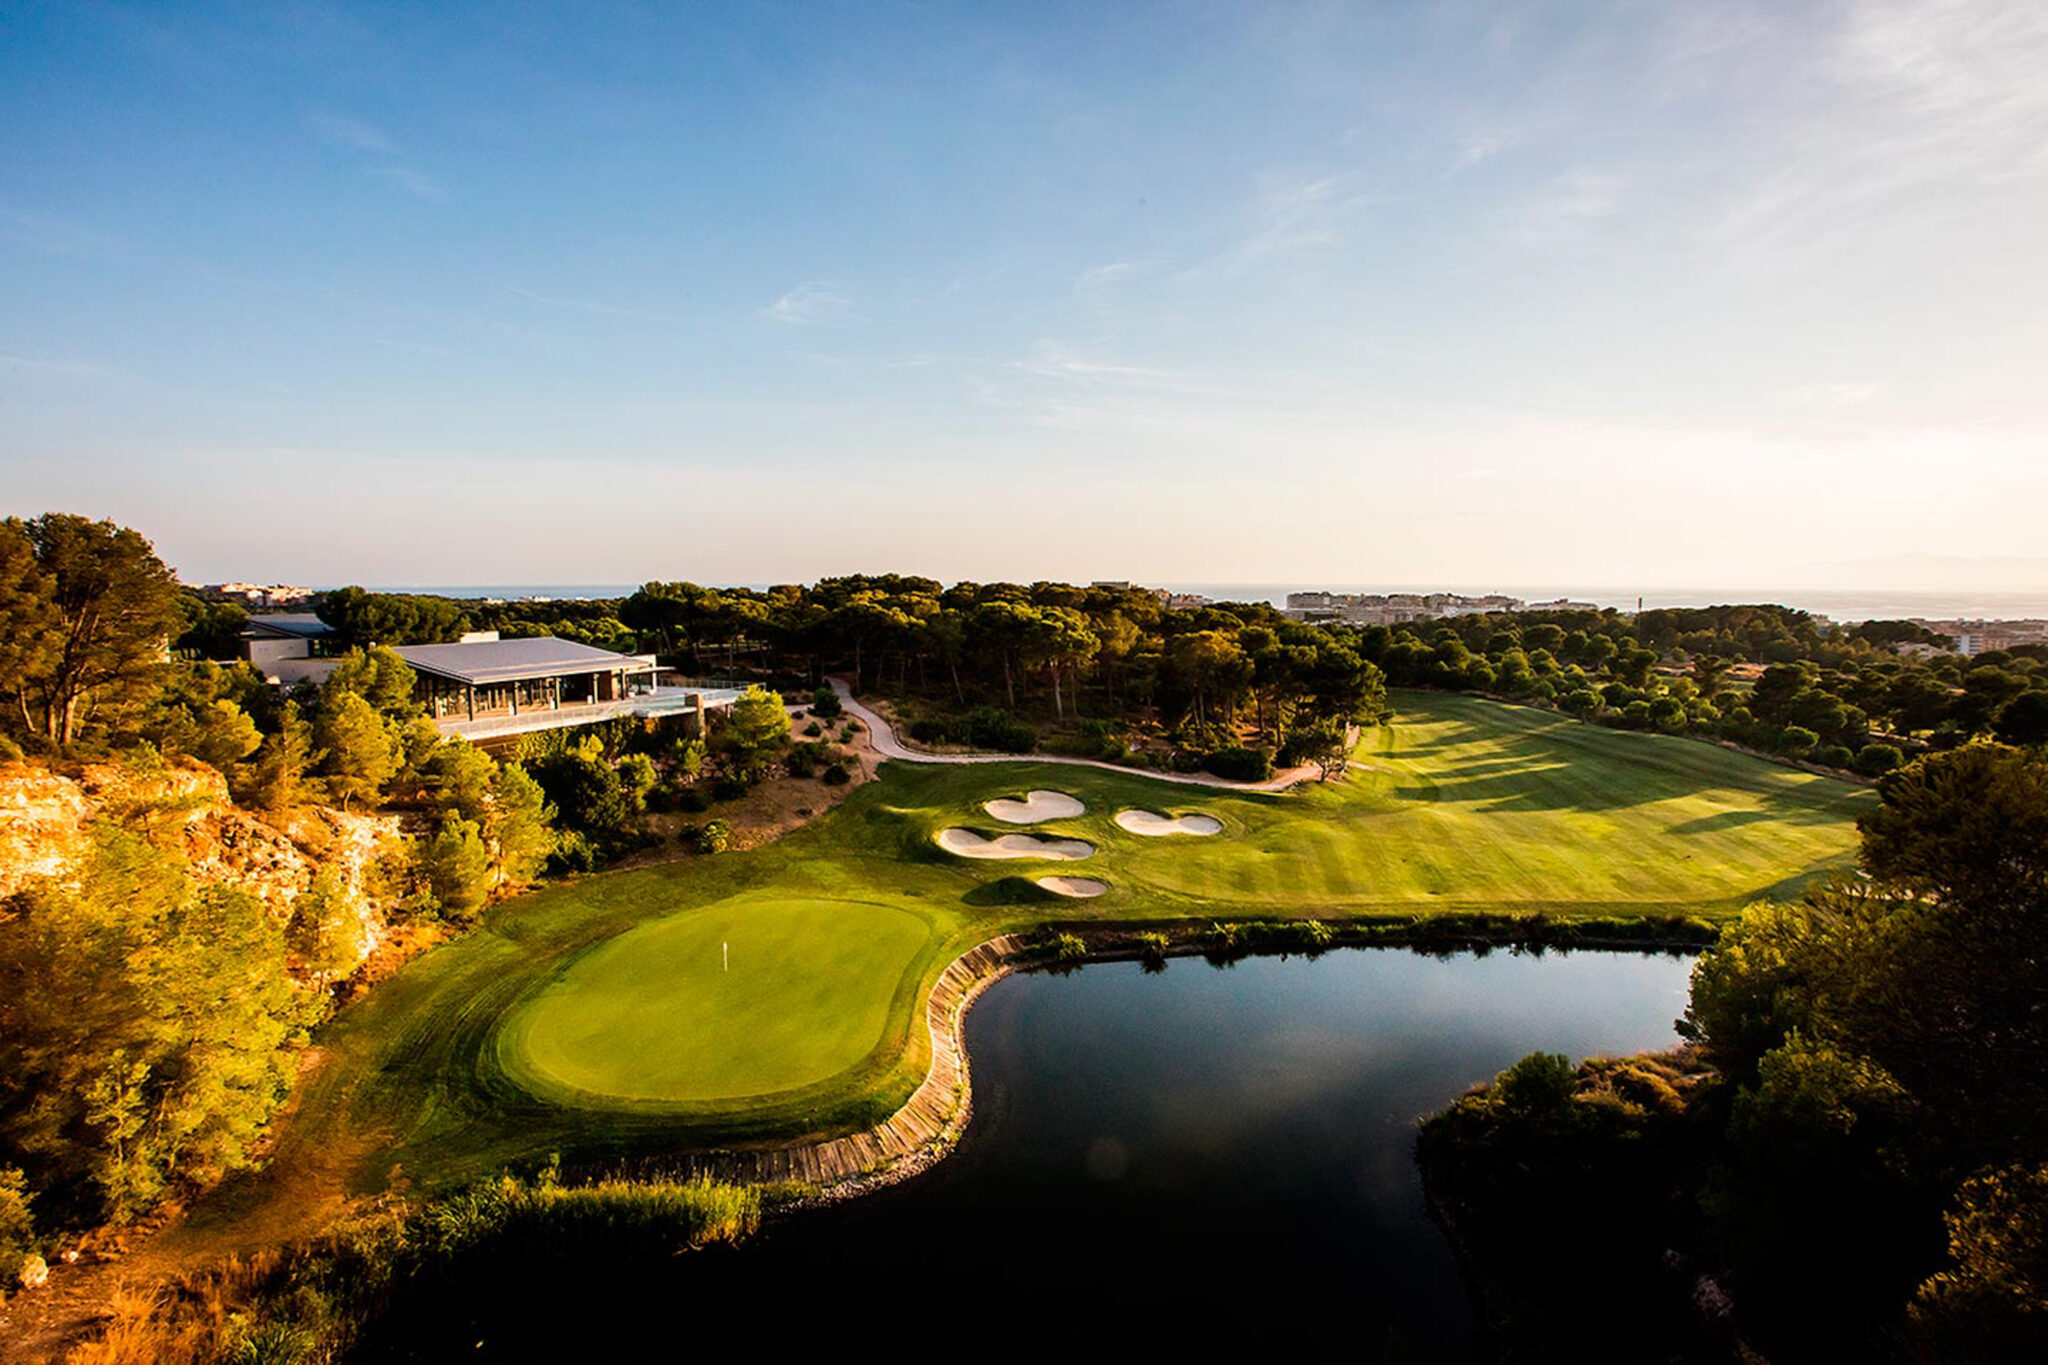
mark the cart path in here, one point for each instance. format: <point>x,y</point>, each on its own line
<point>882,737</point>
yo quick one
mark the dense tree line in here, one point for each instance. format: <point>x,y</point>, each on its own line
<point>1842,698</point>
<point>1004,665</point>
<point>998,665</point>
<point>1854,1154</point>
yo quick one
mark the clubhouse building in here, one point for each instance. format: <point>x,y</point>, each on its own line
<point>484,687</point>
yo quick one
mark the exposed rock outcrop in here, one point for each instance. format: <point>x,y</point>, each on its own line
<point>46,817</point>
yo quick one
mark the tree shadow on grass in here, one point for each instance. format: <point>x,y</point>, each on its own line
<point>1727,819</point>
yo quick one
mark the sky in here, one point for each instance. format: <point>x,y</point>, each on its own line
<point>1603,293</point>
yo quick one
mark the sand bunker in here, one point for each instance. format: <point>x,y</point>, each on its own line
<point>1081,888</point>
<point>1036,806</point>
<point>967,844</point>
<point>1149,824</point>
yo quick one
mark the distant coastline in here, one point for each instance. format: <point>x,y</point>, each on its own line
<point>1836,603</point>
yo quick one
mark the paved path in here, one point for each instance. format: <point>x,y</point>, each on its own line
<point>882,737</point>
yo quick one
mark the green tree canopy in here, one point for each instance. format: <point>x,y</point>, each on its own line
<point>145,1027</point>
<point>89,611</point>
<point>757,730</point>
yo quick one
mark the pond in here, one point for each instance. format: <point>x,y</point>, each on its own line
<point>1155,1157</point>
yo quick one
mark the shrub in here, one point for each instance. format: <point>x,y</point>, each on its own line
<point>836,775</point>
<point>1797,740</point>
<point>715,837</point>
<point>1834,756</point>
<point>813,730</point>
<point>1239,764</point>
<point>731,786</point>
<point>804,759</point>
<point>927,730</point>
<point>1154,946</point>
<point>17,1228</point>
<point>825,703</point>
<point>573,853</point>
<point>1067,948</point>
<point>991,727</point>
<point>1875,760</point>
<point>692,800</point>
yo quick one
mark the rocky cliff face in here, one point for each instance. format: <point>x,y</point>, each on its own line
<point>46,816</point>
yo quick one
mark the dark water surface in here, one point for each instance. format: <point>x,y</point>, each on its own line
<point>1155,1159</point>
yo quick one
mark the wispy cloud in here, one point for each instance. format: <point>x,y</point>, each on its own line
<point>1478,147</point>
<point>415,183</point>
<point>411,347</point>
<point>609,310</point>
<point>813,303</point>
<point>369,144</point>
<point>1841,394</point>
<point>55,369</point>
<point>354,134</point>
<point>1296,217</point>
<point>1053,361</point>
<point>1932,102</point>
<point>1095,277</point>
<point>53,236</point>
<point>1567,208</point>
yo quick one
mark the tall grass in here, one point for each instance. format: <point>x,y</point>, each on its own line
<point>308,1304</point>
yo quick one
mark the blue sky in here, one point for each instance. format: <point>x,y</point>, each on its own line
<point>1567,292</point>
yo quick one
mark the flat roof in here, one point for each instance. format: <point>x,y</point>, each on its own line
<point>295,625</point>
<point>496,661</point>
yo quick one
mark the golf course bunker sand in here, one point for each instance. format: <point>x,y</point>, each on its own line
<point>1152,825</point>
<point>1036,806</point>
<point>1080,888</point>
<point>966,843</point>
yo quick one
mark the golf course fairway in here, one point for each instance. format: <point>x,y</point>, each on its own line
<point>778,994</point>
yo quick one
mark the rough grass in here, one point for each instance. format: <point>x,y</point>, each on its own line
<point>1465,806</point>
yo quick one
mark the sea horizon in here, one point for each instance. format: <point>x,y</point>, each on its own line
<point>1837,604</point>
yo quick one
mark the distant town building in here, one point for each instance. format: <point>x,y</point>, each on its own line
<point>258,594</point>
<point>1388,609</point>
<point>1970,637</point>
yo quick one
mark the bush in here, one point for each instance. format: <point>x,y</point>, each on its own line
<point>692,800</point>
<point>825,703</point>
<point>1797,740</point>
<point>1875,760</point>
<point>17,1228</point>
<point>1239,764</point>
<point>731,786</point>
<point>573,853</point>
<point>991,727</point>
<point>715,837</point>
<point>836,775</point>
<point>927,730</point>
<point>813,730</point>
<point>1834,756</point>
<point>1067,948</point>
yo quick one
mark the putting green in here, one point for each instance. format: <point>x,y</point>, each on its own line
<point>744,997</point>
